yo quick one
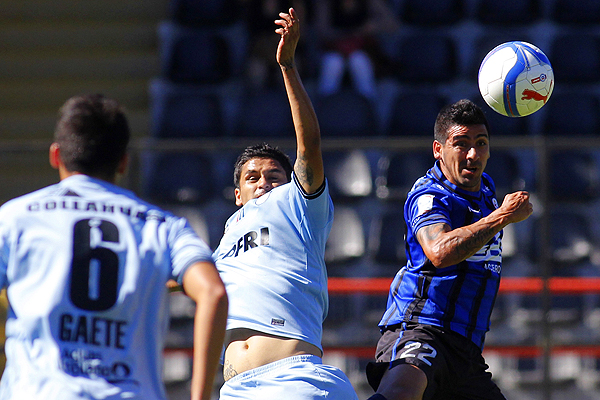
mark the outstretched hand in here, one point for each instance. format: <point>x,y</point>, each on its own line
<point>290,34</point>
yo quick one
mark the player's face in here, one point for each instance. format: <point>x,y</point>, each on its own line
<point>259,176</point>
<point>464,155</point>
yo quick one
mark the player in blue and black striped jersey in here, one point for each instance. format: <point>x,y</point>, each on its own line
<point>440,302</point>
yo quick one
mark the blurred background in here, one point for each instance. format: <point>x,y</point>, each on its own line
<point>200,82</point>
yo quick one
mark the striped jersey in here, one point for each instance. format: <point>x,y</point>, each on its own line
<point>459,297</point>
<point>271,259</point>
<point>85,265</point>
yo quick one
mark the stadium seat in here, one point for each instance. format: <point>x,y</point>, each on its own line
<point>265,113</point>
<point>571,112</point>
<point>422,58</point>
<point>204,13</point>
<point>431,12</point>
<point>573,176</point>
<point>346,114</point>
<point>570,240</point>
<point>193,55</point>
<point>575,58</point>
<point>397,172</point>
<point>177,178</point>
<point>184,111</point>
<point>386,241</point>
<point>580,12</point>
<point>508,12</point>
<point>413,113</point>
<point>346,241</point>
<point>195,217</point>
<point>348,174</point>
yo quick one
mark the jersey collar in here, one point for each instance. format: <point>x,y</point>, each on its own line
<point>436,174</point>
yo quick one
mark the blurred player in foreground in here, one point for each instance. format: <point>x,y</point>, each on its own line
<point>440,303</point>
<point>271,258</point>
<point>85,265</point>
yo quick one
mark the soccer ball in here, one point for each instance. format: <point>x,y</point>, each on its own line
<point>516,79</point>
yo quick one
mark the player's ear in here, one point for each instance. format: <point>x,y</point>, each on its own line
<point>54,155</point>
<point>238,197</point>
<point>123,164</point>
<point>437,150</point>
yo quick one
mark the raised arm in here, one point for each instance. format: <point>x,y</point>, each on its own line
<point>202,283</point>
<point>444,246</point>
<point>309,161</point>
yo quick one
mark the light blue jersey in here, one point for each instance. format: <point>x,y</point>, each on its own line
<point>271,261</point>
<point>85,265</point>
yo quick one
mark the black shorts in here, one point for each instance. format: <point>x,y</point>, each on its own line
<point>453,364</point>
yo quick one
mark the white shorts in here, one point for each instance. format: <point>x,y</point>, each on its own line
<point>301,377</point>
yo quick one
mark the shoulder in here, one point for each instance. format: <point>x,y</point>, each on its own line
<point>13,206</point>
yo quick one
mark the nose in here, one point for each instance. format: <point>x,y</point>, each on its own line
<point>264,183</point>
<point>472,154</point>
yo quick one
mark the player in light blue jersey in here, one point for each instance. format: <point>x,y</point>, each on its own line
<point>85,264</point>
<point>271,258</point>
<point>440,302</point>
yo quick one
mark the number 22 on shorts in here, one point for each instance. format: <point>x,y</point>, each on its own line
<point>422,351</point>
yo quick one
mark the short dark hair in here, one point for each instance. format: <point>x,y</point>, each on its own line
<point>463,112</point>
<point>92,133</point>
<point>263,150</point>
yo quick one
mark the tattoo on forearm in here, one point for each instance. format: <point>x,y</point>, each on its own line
<point>228,371</point>
<point>304,173</point>
<point>470,245</point>
<point>462,246</point>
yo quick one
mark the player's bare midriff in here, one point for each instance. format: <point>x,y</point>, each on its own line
<point>247,349</point>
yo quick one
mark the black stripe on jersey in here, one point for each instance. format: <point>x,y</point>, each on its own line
<point>417,305</point>
<point>442,181</point>
<point>309,196</point>
<point>455,293</point>
<point>477,304</point>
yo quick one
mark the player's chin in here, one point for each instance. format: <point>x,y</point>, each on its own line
<point>471,180</point>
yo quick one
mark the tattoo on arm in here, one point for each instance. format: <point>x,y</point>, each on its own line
<point>462,246</point>
<point>432,232</point>
<point>303,171</point>
<point>228,371</point>
<point>470,245</point>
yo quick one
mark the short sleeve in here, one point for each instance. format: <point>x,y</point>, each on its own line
<point>316,207</point>
<point>428,208</point>
<point>186,248</point>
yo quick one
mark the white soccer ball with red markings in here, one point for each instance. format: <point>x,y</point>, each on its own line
<point>516,79</point>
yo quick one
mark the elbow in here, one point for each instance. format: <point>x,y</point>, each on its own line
<point>218,295</point>
<point>438,258</point>
<point>438,262</point>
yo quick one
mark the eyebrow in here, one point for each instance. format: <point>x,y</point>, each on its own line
<point>271,170</point>
<point>459,137</point>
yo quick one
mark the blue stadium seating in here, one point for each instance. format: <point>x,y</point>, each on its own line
<point>413,113</point>
<point>508,12</point>
<point>264,113</point>
<point>422,57</point>
<point>184,111</point>
<point>431,12</point>
<point>575,58</point>
<point>346,114</point>
<point>193,55</point>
